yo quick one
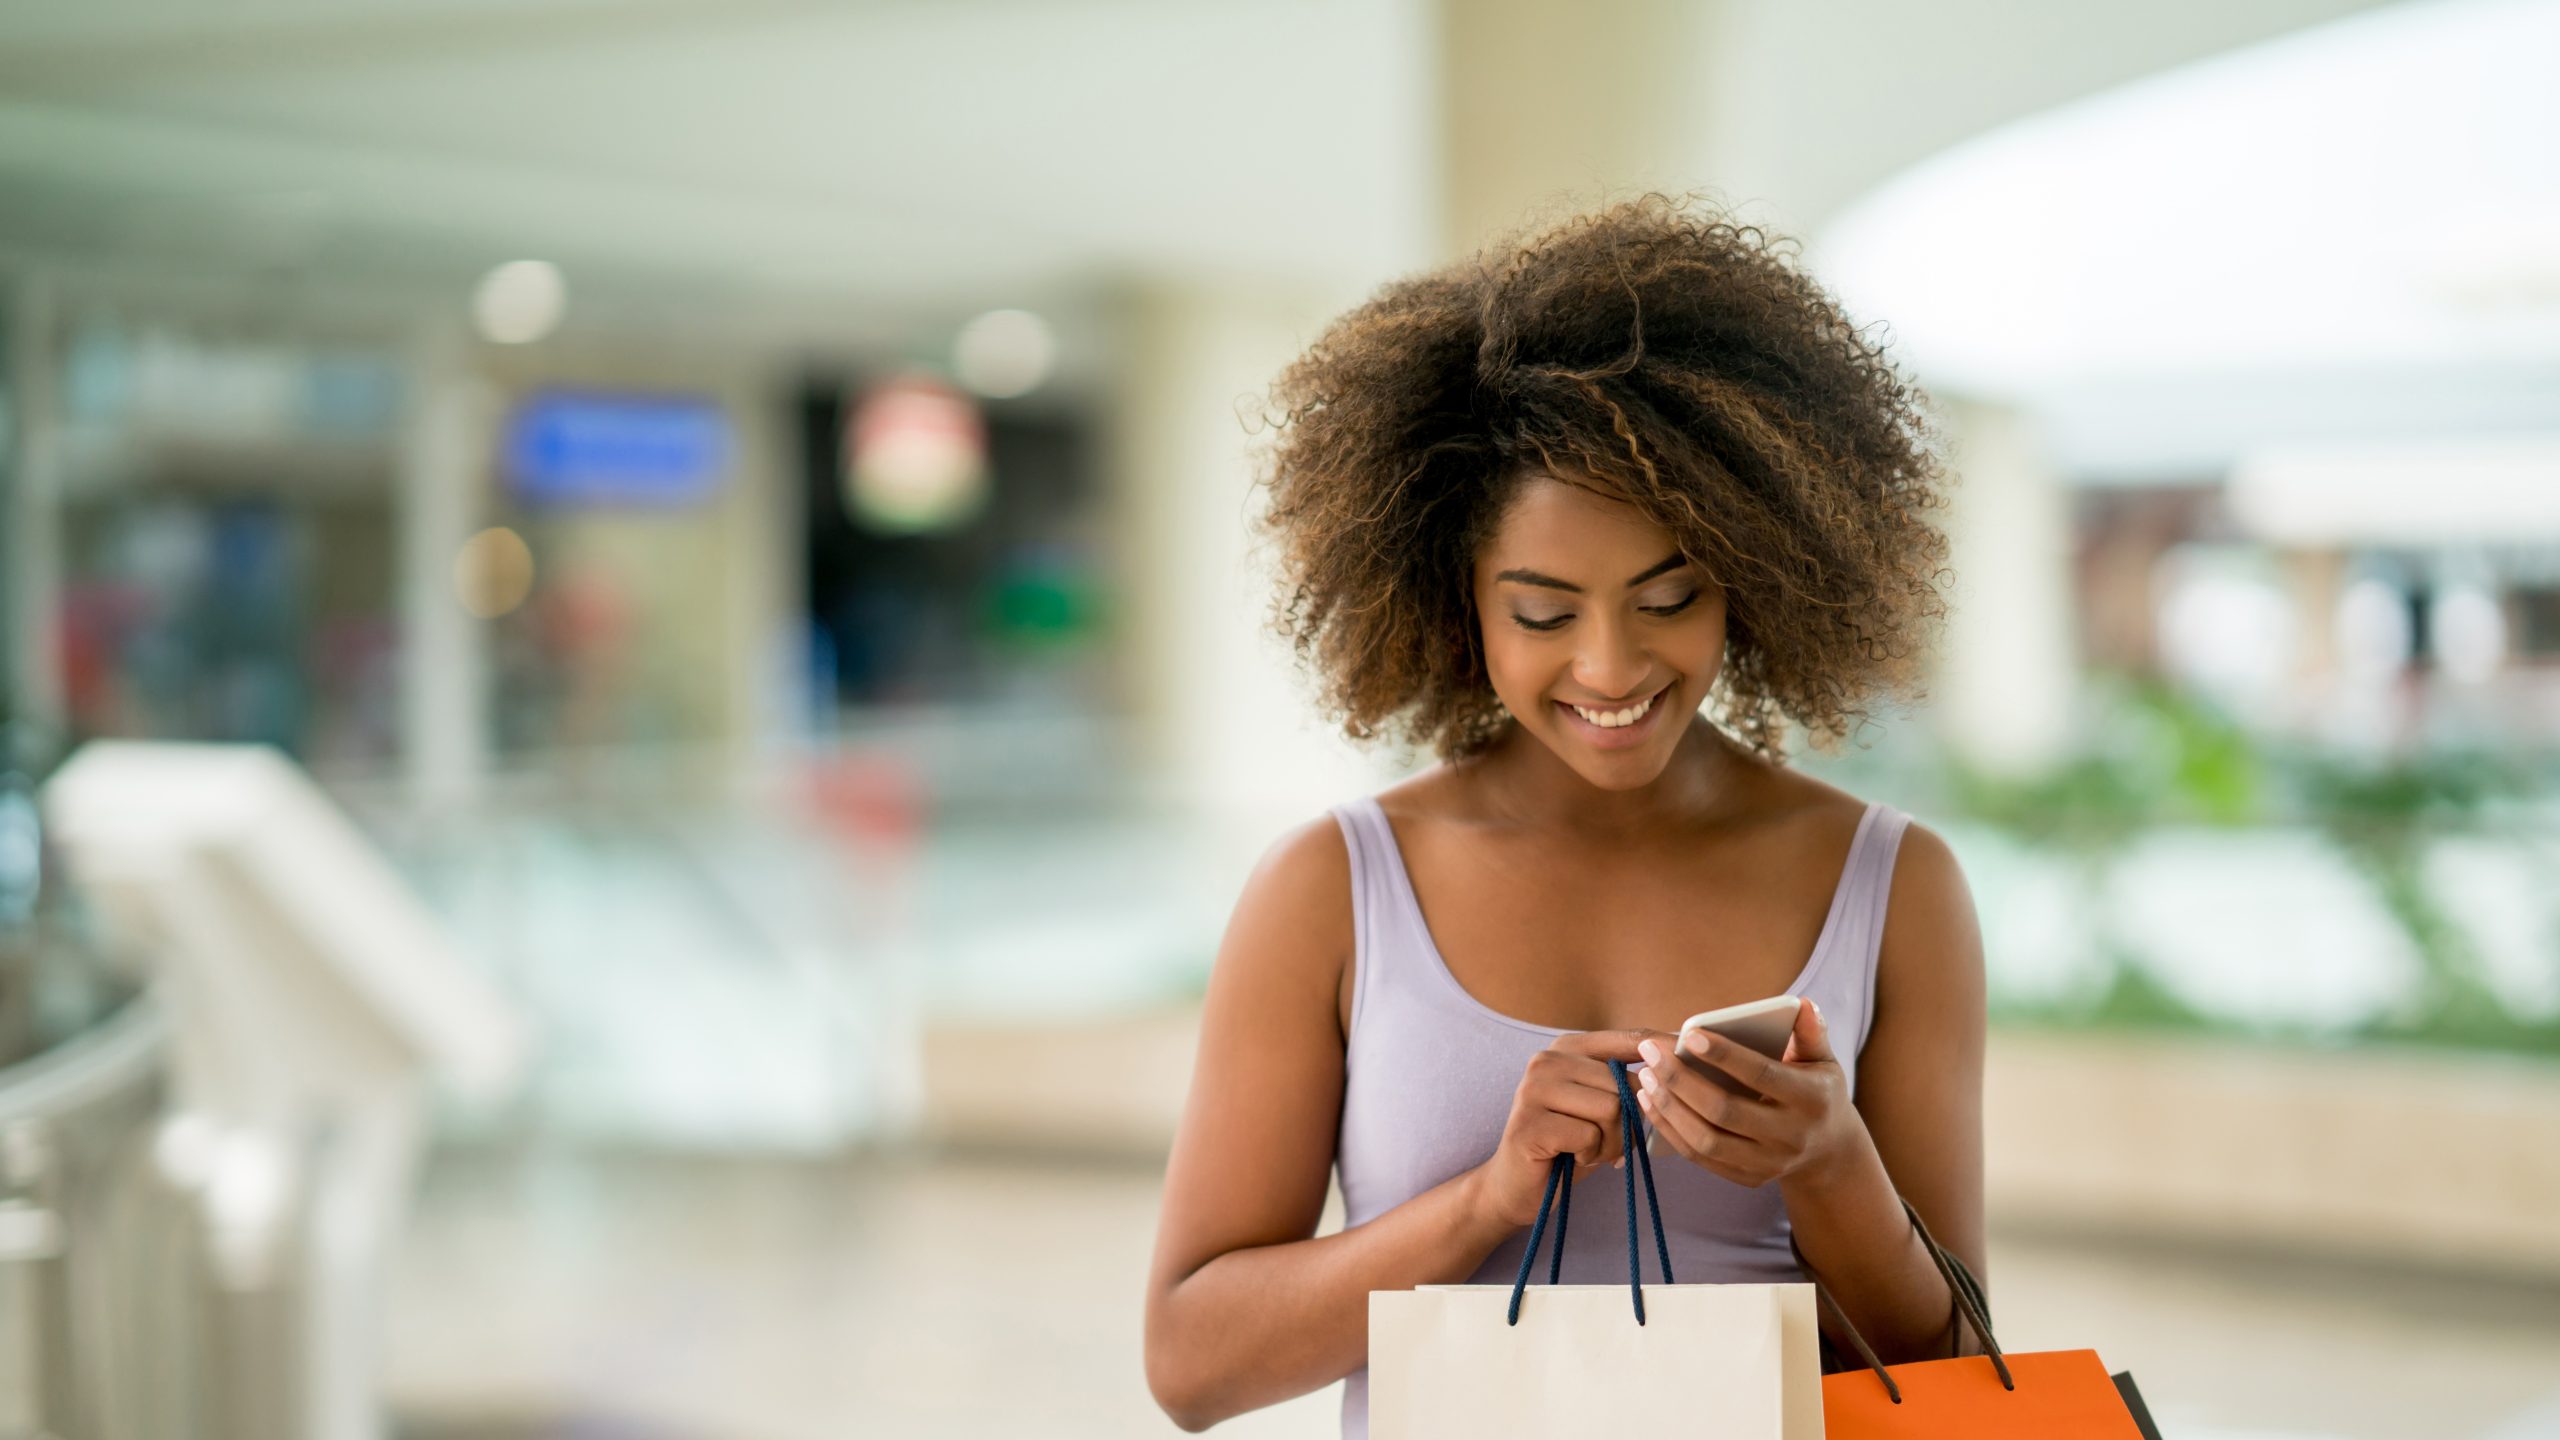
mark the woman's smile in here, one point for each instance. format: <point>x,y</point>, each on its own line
<point>1619,729</point>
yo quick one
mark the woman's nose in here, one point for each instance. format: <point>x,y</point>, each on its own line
<point>1611,665</point>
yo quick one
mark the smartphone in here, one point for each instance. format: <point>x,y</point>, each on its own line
<point>1761,1024</point>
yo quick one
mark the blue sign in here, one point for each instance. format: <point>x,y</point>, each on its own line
<point>570,448</point>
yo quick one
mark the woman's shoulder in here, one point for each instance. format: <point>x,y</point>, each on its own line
<point>1930,939</point>
<point>1923,860</point>
<point>1308,864</point>
<point>1929,905</point>
<point>1292,933</point>
<point>1786,794</point>
<point>1311,862</point>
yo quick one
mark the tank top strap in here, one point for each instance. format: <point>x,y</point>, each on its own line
<point>1869,888</point>
<point>1382,912</point>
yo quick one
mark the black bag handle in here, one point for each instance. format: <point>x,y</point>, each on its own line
<point>1960,1284</point>
<point>1559,1199</point>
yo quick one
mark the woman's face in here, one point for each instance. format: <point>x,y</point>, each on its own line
<point>1600,636</point>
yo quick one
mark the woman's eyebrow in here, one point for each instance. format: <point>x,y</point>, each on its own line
<point>1663,566</point>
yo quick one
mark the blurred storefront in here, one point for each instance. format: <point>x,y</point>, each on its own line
<point>394,558</point>
<point>223,511</point>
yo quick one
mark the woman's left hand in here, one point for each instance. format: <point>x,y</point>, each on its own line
<point>1800,1120</point>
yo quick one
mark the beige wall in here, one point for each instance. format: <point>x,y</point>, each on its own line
<point>1546,107</point>
<point>1224,720</point>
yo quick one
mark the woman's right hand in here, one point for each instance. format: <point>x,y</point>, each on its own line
<point>1566,1104</point>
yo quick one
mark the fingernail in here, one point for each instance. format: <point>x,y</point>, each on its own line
<point>1651,1052</point>
<point>1618,1164</point>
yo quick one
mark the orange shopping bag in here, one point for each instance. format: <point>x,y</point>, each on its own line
<point>2043,1396</point>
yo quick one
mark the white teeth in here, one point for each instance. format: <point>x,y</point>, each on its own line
<point>1613,719</point>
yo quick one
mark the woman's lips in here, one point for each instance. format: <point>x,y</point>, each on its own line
<point>1620,737</point>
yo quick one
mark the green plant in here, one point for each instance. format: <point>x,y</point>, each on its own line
<point>2381,819</point>
<point>2158,758</point>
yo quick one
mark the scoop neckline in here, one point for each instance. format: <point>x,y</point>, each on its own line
<point>1440,965</point>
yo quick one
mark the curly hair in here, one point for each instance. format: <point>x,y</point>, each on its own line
<point>1650,353</point>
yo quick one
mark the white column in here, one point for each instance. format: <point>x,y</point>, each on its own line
<point>764,559</point>
<point>1550,108</point>
<point>1222,719</point>
<point>34,535</point>
<point>2002,693</point>
<point>443,667</point>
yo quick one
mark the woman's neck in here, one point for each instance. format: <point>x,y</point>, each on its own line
<point>1519,781</point>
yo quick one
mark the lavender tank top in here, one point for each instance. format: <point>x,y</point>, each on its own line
<point>1430,1070</point>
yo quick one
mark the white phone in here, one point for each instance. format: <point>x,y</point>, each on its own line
<point>1764,1025</point>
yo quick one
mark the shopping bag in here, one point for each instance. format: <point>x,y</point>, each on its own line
<point>1992,1396</point>
<point>2053,1393</point>
<point>2133,1402</point>
<point>1482,1362</point>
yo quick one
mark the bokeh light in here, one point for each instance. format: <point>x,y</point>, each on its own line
<point>1004,353</point>
<point>520,302</point>
<point>493,573</point>
<point>915,457</point>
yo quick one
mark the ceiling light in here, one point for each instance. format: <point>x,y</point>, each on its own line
<point>520,302</point>
<point>1004,353</point>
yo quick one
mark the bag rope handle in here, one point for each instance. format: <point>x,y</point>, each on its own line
<point>1967,1304</point>
<point>1559,1199</point>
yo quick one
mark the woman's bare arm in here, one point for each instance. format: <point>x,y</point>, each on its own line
<point>1243,1308</point>
<point>1920,1095</point>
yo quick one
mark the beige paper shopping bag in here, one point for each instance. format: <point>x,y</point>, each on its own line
<point>1488,1362</point>
<point>1718,1362</point>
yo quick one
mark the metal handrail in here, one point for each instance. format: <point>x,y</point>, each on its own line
<point>88,1067</point>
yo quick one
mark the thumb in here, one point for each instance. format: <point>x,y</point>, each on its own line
<point>1811,1039</point>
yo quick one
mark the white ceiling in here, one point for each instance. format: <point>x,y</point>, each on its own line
<point>781,167</point>
<point>898,152</point>
<point>2350,231</point>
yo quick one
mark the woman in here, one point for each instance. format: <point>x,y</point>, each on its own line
<point>1535,510</point>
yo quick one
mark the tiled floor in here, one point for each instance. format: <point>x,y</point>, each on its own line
<point>552,1292</point>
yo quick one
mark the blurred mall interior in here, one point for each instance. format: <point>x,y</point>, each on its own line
<point>711,544</point>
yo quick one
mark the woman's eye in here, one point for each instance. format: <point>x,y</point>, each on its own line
<point>1556,622</point>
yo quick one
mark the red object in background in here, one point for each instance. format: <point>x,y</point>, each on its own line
<point>915,457</point>
<point>873,800</point>
<point>91,629</point>
<point>585,611</point>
